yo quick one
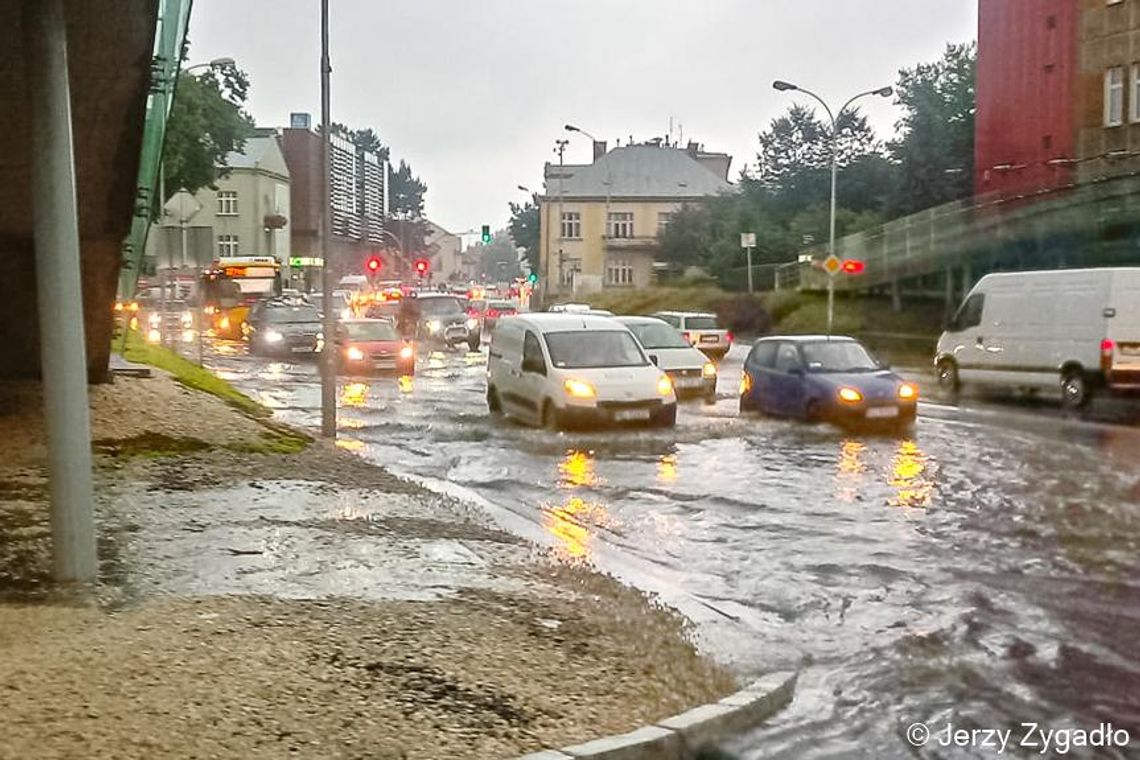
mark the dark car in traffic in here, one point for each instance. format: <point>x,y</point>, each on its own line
<point>442,319</point>
<point>364,346</point>
<point>283,327</point>
<point>824,379</point>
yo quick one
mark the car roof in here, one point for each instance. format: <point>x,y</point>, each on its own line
<point>642,321</point>
<point>364,320</point>
<point>563,322</point>
<point>686,313</point>
<point>808,338</point>
<point>436,294</point>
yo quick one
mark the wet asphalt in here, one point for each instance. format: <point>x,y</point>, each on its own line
<point>981,570</point>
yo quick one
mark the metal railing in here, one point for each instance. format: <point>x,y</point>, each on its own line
<point>169,43</point>
<point>1064,226</point>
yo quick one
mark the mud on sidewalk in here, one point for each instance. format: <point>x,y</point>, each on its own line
<point>263,596</point>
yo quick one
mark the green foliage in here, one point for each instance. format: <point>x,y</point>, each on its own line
<point>498,259</point>
<point>407,192</point>
<point>935,153</point>
<point>524,230</point>
<point>206,122</point>
<point>189,374</point>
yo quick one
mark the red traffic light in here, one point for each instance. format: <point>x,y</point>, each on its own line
<point>373,264</point>
<point>422,266</point>
<point>853,266</point>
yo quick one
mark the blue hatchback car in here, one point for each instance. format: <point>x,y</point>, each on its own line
<point>820,378</point>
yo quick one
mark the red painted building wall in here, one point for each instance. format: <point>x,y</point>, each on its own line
<point>1026,95</point>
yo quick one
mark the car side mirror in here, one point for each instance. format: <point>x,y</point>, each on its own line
<point>797,371</point>
<point>653,358</point>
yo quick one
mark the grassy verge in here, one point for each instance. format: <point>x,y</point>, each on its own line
<point>190,374</point>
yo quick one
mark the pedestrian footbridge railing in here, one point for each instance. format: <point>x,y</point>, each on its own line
<point>169,44</point>
<point>1086,224</point>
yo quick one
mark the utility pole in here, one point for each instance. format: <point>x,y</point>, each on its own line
<point>748,242</point>
<point>560,148</point>
<point>59,293</point>
<point>328,355</point>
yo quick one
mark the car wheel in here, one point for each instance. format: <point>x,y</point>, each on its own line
<point>948,376</point>
<point>1075,390</point>
<point>813,412</point>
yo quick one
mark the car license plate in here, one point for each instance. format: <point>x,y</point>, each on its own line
<point>628,415</point>
<point>1130,349</point>
<point>688,382</point>
<point>299,349</point>
<point>710,339</point>
<point>384,364</point>
<point>881,412</point>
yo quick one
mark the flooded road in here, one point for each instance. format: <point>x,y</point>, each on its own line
<point>982,571</point>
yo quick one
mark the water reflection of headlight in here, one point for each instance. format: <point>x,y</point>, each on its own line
<point>354,394</point>
<point>909,476</point>
<point>577,469</point>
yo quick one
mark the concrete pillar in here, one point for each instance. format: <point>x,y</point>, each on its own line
<point>63,354</point>
<point>948,307</point>
<point>896,296</point>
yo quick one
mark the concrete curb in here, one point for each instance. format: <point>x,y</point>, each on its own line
<point>683,736</point>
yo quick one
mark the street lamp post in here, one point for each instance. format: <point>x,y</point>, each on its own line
<point>328,355</point>
<point>560,148</point>
<point>609,182</point>
<point>885,92</point>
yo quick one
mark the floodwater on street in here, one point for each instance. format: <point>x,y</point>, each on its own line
<point>982,570</point>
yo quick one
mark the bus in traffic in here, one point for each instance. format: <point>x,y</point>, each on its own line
<point>231,285</point>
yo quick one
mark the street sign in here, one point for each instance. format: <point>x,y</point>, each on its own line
<point>832,264</point>
<point>306,261</point>
<point>747,239</point>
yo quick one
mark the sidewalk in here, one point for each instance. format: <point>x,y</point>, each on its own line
<point>263,596</point>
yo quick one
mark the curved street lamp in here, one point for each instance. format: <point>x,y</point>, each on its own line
<point>833,117</point>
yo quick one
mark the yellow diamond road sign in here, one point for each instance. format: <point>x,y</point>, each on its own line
<point>832,264</point>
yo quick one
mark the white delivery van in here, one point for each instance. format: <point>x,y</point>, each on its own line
<point>575,370</point>
<point>1076,329</point>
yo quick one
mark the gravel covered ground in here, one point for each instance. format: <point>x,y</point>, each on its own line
<point>303,604</point>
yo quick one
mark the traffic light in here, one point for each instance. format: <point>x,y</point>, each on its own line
<point>373,265</point>
<point>853,266</point>
<point>422,266</point>
<point>486,233</point>
<point>532,278</point>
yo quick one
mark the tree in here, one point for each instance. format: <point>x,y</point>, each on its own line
<point>498,260</point>
<point>206,122</point>
<point>935,152</point>
<point>367,140</point>
<point>407,192</point>
<point>524,230</point>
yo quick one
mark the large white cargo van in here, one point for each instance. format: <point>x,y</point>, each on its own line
<point>1076,329</point>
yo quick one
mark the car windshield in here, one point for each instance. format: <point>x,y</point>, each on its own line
<point>659,336</point>
<point>501,306</point>
<point>378,330</point>
<point>584,349</point>
<point>386,310</point>
<point>290,314</point>
<point>838,356</point>
<point>701,323</point>
<point>437,307</point>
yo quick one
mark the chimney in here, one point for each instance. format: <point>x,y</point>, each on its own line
<point>599,149</point>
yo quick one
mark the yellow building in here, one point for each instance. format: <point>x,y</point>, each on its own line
<point>613,211</point>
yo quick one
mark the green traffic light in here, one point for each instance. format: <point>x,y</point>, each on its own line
<point>486,233</point>
<point>532,278</point>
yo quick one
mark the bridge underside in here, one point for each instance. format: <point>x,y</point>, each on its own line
<point>110,46</point>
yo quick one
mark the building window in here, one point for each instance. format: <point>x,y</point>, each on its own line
<point>1134,103</point>
<point>571,225</point>
<point>227,203</point>
<point>227,245</point>
<point>619,272</point>
<point>663,219</point>
<point>1114,96</point>
<point>620,224</point>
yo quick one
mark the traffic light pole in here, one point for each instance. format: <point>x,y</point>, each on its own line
<point>328,351</point>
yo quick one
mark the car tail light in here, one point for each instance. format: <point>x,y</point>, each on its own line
<point>729,337</point>
<point>687,336</point>
<point>1106,349</point>
<point>492,313</point>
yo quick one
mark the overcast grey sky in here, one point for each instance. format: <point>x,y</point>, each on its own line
<point>473,93</point>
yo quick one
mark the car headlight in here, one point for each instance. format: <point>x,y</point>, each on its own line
<point>433,326</point>
<point>346,314</point>
<point>472,323</point>
<point>354,354</point>
<point>272,336</point>
<point>187,319</point>
<point>850,395</point>
<point>709,370</point>
<point>154,336</point>
<point>154,320</point>
<point>224,323</point>
<point>745,384</point>
<point>664,386</point>
<point>407,353</point>
<point>908,392</point>
<point>579,389</point>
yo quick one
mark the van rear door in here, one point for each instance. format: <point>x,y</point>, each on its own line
<point>1123,327</point>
